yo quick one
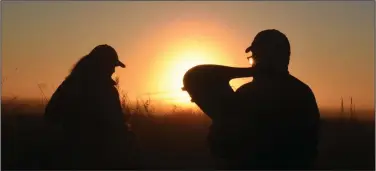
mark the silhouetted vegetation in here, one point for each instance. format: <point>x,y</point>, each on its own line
<point>177,139</point>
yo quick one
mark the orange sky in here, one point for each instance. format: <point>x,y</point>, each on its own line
<point>332,43</point>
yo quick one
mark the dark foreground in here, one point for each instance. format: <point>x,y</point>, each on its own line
<point>177,141</point>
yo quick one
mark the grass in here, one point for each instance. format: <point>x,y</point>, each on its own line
<point>177,139</point>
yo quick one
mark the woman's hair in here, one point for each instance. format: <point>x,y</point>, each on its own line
<point>84,66</point>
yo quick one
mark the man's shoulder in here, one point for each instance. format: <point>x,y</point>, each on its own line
<point>300,85</point>
<point>302,92</point>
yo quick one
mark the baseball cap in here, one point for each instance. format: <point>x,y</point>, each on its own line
<point>107,52</point>
<point>270,38</point>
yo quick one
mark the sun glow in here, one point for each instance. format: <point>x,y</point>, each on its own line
<point>178,67</point>
<point>177,61</point>
<point>186,45</point>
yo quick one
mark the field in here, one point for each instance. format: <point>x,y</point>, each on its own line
<point>176,139</point>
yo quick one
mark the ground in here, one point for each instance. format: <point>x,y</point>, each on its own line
<point>177,141</point>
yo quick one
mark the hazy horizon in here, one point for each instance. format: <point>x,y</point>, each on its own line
<point>332,44</point>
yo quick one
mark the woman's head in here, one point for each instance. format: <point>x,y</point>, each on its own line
<point>100,62</point>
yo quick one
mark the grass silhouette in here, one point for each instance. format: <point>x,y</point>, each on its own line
<point>176,139</point>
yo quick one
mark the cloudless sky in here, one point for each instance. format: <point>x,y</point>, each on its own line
<point>332,43</point>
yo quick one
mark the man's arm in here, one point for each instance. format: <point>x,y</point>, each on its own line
<point>313,118</point>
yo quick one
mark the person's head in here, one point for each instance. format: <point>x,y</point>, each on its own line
<point>101,61</point>
<point>270,51</point>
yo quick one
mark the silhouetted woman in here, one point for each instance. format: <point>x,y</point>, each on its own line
<point>87,108</point>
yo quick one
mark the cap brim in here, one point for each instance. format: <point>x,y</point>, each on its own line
<point>248,49</point>
<point>120,64</point>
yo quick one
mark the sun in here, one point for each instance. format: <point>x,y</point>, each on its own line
<point>174,62</point>
<point>186,61</point>
<point>188,44</point>
<point>179,66</point>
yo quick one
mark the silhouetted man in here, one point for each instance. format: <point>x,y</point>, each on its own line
<point>87,108</point>
<point>271,122</point>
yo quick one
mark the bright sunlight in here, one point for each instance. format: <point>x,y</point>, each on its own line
<point>179,59</point>
<point>179,66</point>
<point>183,49</point>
